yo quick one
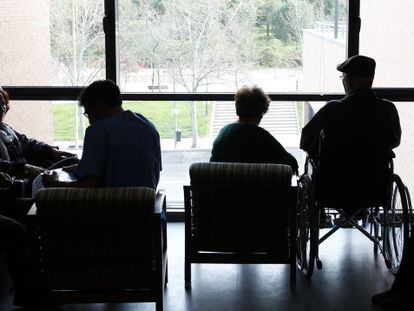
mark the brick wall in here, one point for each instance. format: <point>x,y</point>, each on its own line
<point>25,60</point>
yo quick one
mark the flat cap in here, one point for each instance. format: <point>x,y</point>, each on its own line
<point>358,65</point>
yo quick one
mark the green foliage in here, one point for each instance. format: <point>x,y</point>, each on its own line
<point>160,113</point>
<point>272,52</point>
<point>64,121</point>
<point>77,39</point>
<point>290,18</point>
<point>325,9</point>
<point>158,5</point>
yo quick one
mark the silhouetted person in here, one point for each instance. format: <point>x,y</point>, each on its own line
<point>399,296</point>
<point>13,245</point>
<point>120,149</point>
<point>20,156</point>
<point>358,134</point>
<point>244,141</point>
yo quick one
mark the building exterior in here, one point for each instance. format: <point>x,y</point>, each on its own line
<point>386,34</point>
<point>25,60</point>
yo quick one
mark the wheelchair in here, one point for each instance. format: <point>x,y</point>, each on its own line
<point>387,221</point>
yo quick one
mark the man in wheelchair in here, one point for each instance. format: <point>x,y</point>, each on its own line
<point>349,169</point>
<point>358,135</point>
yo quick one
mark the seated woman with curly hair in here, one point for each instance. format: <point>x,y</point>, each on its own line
<point>244,141</point>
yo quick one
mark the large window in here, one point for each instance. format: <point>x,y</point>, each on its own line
<point>404,165</point>
<point>217,46</point>
<point>179,62</point>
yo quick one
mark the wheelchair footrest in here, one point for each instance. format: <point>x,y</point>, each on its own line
<point>338,220</point>
<point>326,222</point>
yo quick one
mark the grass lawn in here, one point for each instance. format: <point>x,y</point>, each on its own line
<point>158,112</point>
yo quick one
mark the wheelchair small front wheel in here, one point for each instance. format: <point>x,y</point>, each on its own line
<point>319,264</point>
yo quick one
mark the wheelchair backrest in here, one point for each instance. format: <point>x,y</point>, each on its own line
<point>353,168</point>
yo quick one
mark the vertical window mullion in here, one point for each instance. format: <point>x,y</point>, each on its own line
<point>354,26</point>
<point>110,26</point>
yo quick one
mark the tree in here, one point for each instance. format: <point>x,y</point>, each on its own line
<point>206,38</point>
<point>142,39</point>
<point>193,41</point>
<point>266,13</point>
<point>291,18</point>
<point>77,45</point>
<point>77,39</point>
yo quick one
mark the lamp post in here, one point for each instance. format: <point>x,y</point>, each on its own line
<point>336,19</point>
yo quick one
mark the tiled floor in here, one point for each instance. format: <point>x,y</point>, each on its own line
<point>350,275</point>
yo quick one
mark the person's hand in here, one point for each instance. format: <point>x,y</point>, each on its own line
<point>59,155</point>
<point>50,179</point>
<point>69,168</point>
<point>32,171</point>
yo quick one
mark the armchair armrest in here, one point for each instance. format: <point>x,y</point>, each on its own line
<point>17,189</point>
<point>160,203</point>
<point>32,214</point>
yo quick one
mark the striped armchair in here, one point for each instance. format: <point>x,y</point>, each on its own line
<point>240,213</point>
<point>100,245</point>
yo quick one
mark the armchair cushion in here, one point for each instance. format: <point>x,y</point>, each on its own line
<point>95,199</point>
<point>101,238</point>
<point>216,173</point>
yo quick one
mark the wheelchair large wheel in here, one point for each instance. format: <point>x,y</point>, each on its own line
<point>308,226</point>
<point>397,225</point>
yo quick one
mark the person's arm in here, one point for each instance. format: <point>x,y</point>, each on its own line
<point>395,127</point>
<point>159,151</point>
<point>11,167</point>
<point>93,163</point>
<point>51,180</point>
<point>33,148</point>
<point>281,156</point>
<point>91,168</point>
<point>309,140</point>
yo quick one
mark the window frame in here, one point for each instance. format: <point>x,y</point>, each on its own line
<point>110,26</point>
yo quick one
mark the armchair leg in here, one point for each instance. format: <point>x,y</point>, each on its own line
<point>159,306</point>
<point>293,276</point>
<point>166,274</point>
<point>187,274</point>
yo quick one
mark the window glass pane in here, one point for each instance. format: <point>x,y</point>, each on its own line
<point>62,124</point>
<point>173,121</point>
<point>404,165</point>
<point>56,42</point>
<point>387,33</point>
<point>56,123</point>
<point>217,46</point>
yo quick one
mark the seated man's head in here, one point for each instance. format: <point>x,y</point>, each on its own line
<point>101,99</point>
<point>251,104</point>
<point>4,103</point>
<point>358,73</point>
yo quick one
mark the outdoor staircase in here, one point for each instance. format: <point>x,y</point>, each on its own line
<point>280,120</point>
